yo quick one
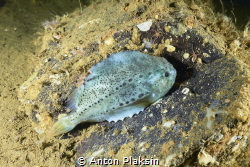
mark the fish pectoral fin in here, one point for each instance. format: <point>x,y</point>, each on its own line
<point>72,101</point>
<point>144,100</point>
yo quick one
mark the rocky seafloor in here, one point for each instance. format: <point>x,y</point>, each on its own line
<point>192,124</point>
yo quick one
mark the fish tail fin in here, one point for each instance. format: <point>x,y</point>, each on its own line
<point>62,126</point>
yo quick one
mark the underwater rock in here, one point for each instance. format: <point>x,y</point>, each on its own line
<point>174,128</point>
<point>192,114</point>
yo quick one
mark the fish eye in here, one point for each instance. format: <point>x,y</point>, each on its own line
<point>167,74</point>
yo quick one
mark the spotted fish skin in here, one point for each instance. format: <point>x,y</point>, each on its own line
<point>118,87</point>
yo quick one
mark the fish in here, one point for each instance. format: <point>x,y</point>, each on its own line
<point>120,86</point>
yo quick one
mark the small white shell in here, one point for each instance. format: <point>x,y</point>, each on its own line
<point>186,55</point>
<point>185,91</point>
<point>145,26</point>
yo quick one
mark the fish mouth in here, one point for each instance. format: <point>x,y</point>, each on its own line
<point>172,72</point>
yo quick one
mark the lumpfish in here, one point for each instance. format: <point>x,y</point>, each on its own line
<point>117,87</point>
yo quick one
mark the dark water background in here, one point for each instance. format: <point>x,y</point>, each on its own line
<point>237,10</point>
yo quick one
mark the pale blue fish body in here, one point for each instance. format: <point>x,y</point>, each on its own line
<point>118,87</point>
